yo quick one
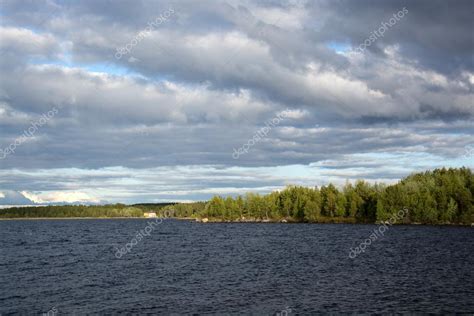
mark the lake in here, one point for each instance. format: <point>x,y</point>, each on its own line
<point>143,266</point>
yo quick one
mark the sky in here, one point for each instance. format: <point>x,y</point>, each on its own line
<point>152,101</point>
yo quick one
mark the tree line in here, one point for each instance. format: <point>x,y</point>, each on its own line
<point>441,196</point>
<point>68,211</point>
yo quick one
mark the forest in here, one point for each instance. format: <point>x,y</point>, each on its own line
<point>81,211</point>
<point>441,196</point>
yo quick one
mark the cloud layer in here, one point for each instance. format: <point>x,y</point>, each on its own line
<point>202,79</point>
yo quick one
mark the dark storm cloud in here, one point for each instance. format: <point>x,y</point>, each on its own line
<point>437,34</point>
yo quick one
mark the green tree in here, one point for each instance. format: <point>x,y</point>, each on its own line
<point>215,207</point>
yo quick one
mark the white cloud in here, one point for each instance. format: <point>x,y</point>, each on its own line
<point>18,42</point>
<point>295,114</point>
<point>60,197</point>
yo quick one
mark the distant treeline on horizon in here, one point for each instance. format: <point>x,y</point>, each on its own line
<point>441,196</point>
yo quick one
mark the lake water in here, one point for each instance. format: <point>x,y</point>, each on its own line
<point>72,267</point>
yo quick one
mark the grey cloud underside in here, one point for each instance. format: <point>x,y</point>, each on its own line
<point>204,82</point>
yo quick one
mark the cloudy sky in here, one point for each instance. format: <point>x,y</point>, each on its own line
<point>149,101</point>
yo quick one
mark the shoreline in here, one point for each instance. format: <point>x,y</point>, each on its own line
<point>71,218</point>
<point>213,221</point>
<point>337,223</point>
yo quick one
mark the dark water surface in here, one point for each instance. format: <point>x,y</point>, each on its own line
<point>260,269</point>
